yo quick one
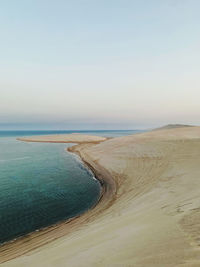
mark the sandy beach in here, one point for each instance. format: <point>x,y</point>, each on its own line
<point>149,212</point>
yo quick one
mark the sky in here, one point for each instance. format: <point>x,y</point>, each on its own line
<point>99,64</point>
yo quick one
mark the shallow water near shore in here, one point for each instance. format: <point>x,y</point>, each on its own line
<point>41,184</point>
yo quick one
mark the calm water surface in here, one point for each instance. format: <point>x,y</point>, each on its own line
<point>41,184</point>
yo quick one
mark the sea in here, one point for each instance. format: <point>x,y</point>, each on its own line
<point>42,184</point>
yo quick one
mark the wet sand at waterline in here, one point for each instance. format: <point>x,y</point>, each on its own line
<point>148,215</point>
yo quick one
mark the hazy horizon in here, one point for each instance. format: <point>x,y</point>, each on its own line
<point>83,64</point>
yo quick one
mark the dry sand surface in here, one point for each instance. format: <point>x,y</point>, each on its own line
<point>64,138</point>
<point>150,212</point>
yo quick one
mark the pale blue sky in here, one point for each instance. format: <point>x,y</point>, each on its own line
<point>88,64</point>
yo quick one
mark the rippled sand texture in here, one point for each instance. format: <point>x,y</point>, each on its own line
<point>153,213</point>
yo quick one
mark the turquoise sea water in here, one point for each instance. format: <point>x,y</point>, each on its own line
<point>41,183</point>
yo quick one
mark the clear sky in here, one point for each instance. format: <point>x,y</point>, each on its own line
<point>99,64</point>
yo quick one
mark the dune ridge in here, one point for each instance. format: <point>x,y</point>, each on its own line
<point>172,126</point>
<point>152,218</point>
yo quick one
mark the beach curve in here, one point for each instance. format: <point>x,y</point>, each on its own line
<point>154,214</point>
<point>25,244</point>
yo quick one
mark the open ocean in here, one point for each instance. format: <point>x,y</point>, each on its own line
<point>41,184</point>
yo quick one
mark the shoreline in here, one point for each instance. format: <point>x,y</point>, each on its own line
<point>107,190</point>
<point>149,214</point>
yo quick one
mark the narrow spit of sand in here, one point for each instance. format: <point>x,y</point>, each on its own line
<point>149,217</point>
<point>64,138</point>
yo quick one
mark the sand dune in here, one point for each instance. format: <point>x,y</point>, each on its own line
<point>150,215</point>
<point>172,126</point>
